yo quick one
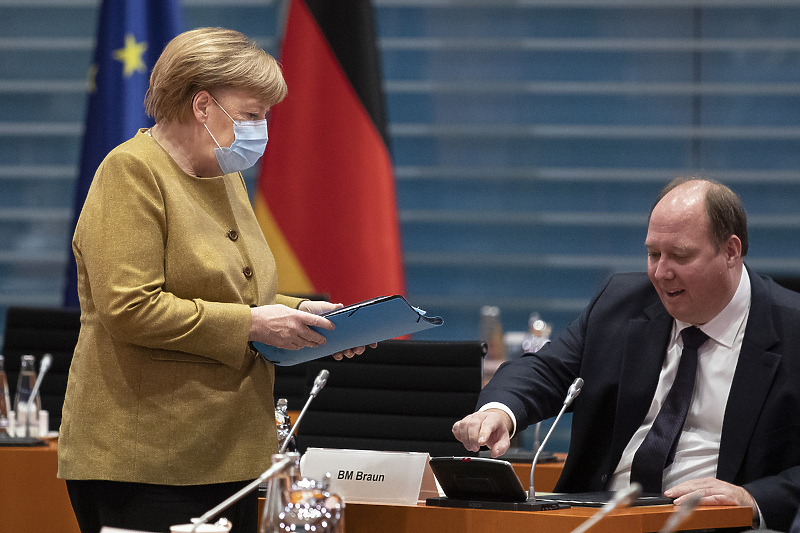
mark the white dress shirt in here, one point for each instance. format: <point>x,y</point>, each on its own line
<point>698,446</point>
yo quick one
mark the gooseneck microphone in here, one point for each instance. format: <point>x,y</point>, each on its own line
<point>319,382</point>
<point>44,366</point>
<point>271,471</point>
<point>622,498</point>
<point>572,393</point>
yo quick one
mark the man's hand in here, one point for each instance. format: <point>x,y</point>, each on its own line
<point>490,428</point>
<point>285,327</point>
<point>713,492</point>
<point>319,307</point>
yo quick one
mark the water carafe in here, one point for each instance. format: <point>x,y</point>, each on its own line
<point>27,422</point>
<point>5,402</point>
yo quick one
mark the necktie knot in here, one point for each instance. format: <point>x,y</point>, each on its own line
<point>693,337</point>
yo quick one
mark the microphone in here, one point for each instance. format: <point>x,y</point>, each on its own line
<point>319,382</point>
<point>44,366</point>
<point>572,393</point>
<point>271,471</point>
<point>681,513</point>
<point>622,498</point>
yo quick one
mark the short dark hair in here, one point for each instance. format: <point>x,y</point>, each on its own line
<point>726,215</point>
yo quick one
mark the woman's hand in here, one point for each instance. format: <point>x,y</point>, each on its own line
<point>319,307</point>
<point>353,351</point>
<point>284,327</point>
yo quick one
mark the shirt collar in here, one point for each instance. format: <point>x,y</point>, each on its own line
<point>724,327</point>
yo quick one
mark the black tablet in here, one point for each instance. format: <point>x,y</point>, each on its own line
<point>483,483</point>
<point>478,478</point>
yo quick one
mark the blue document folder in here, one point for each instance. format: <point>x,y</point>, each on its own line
<point>359,324</point>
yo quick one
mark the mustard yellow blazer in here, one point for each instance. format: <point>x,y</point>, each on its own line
<point>163,387</point>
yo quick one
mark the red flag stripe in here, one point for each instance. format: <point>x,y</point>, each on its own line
<point>327,177</point>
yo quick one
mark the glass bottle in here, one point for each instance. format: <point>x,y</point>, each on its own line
<point>27,423</point>
<point>5,402</point>
<point>284,426</point>
<point>491,332</point>
<point>279,492</point>
<point>538,334</point>
<point>313,507</point>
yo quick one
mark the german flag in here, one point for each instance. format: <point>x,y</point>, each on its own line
<point>326,197</point>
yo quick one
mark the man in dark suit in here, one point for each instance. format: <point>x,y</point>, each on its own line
<point>740,442</point>
<point>796,524</point>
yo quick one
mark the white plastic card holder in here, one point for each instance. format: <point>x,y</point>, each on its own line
<point>180,528</point>
<point>107,529</point>
<point>369,476</point>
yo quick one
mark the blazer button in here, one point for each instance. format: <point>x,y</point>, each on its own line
<point>248,272</point>
<point>604,478</point>
<point>233,235</point>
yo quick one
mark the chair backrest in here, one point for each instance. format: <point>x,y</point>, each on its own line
<point>37,331</point>
<point>290,384</point>
<point>402,396</point>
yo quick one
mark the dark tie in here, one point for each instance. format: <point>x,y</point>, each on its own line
<point>658,449</point>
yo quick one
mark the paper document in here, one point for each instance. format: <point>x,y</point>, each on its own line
<point>359,324</point>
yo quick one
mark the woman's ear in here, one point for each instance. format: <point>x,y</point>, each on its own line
<point>200,103</point>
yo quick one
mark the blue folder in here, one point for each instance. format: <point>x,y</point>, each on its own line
<point>359,324</point>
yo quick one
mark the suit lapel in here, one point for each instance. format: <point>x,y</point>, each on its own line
<point>643,358</point>
<point>751,382</point>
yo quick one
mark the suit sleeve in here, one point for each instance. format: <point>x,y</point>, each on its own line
<point>534,387</point>
<point>778,497</point>
<point>289,301</point>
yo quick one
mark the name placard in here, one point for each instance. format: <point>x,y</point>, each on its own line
<point>371,476</point>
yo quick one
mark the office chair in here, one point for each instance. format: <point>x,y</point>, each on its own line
<point>290,384</point>
<point>401,396</point>
<point>36,331</point>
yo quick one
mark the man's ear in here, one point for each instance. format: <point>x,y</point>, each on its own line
<point>733,249</point>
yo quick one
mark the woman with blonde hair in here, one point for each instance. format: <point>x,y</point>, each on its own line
<point>168,409</point>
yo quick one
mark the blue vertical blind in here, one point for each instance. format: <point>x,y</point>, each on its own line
<point>529,138</point>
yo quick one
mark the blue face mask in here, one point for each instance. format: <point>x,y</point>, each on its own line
<point>250,140</point>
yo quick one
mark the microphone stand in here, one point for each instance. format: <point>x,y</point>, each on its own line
<point>319,382</point>
<point>270,472</point>
<point>622,498</point>
<point>44,366</point>
<point>572,393</point>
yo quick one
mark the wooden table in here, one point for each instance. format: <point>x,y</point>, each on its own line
<point>33,500</point>
<point>368,518</point>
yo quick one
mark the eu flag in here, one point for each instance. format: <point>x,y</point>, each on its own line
<point>130,36</point>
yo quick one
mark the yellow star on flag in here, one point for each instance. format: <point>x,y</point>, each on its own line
<point>131,56</point>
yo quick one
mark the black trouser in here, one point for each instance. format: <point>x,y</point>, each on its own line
<point>154,508</point>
